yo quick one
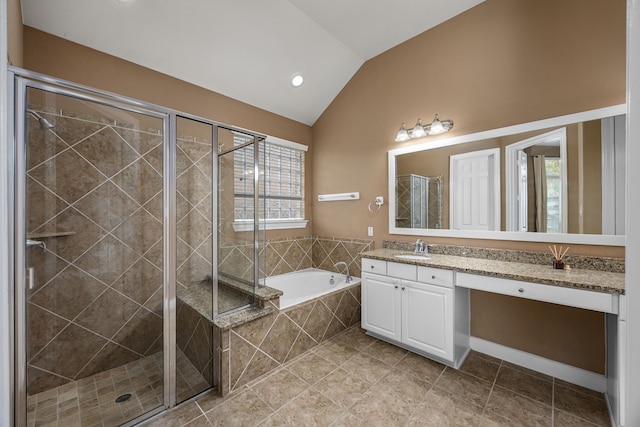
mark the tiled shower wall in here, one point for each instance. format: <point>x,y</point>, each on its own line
<point>193,205</point>
<point>194,254</point>
<point>94,195</point>
<point>98,188</point>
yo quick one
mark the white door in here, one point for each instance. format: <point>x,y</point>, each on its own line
<point>381,305</point>
<point>427,318</point>
<point>475,190</point>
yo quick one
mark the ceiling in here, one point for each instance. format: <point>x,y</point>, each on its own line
<point>247,49</point>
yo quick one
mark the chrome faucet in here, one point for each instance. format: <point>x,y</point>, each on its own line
<point>348,276</point>
<point>421,247</point>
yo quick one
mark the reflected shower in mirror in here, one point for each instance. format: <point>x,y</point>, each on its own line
<point>564,177</point>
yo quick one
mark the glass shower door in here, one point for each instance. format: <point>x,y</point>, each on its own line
<point>93,215</point>
<point>194,302</point>
<point>240,248</point>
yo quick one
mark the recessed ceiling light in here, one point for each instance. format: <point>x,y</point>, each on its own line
<point>297,80</point>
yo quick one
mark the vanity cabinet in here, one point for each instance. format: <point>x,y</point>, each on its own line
<point>427,318</point>
<point>417,308</point>
<point>382,306</point>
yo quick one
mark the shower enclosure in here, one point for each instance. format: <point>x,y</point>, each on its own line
<point>418,201</point>
<point>118,267</point>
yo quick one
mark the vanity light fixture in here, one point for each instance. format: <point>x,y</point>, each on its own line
<point>436,127</point>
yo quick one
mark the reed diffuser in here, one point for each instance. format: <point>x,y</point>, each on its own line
<point>558,255</point>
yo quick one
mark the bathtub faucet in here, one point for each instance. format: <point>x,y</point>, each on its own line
<point>348,276</point>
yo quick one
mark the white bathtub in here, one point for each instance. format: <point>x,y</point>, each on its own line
<point>303,285</point>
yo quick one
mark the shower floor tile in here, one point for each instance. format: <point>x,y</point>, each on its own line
<point>92,401</point>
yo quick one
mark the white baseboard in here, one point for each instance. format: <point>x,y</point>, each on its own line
<point>546,366</point>
<point>612,416</point>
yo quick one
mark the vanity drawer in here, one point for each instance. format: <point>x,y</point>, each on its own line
<point>402,271</point>
<point>374,266</point>
<point>572,297</point>
<point>435,276</point>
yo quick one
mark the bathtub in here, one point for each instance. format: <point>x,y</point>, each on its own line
<point>303,285</point>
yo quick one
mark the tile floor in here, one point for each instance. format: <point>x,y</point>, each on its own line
<point>356,380</point>
<point>91,401</point>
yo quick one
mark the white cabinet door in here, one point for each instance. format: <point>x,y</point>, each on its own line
<point>427,318</point>
<point>381,305</point>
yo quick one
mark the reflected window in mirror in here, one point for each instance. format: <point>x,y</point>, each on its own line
<point>553,206</point>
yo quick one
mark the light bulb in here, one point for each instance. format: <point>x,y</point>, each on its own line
<point>436,127</point>
<point>402,134</point>
<point>418,130</point>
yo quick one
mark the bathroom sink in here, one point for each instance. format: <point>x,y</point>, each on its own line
<point>413,257</point>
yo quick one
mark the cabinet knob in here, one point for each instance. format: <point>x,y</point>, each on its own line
<point>403,288</point>
<point>372,267</point>
<point>396,286</point>
<point>521,290</point>
<point>433,277</point>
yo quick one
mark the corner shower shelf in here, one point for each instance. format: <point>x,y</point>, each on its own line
<point>50,234</point>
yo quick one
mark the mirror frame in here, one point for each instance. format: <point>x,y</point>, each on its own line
<point>587,239</point>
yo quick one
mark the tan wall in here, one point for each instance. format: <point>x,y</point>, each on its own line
<point>60,58</point>
<point>592,173</point>
<point>501,63</point>
<point>14,33</point>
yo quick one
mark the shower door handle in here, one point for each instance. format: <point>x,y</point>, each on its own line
<point>31,277</point>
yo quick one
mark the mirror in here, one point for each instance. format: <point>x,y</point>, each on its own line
<point>556,180</point>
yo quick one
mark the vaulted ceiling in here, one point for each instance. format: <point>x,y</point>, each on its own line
<point>247,49</point>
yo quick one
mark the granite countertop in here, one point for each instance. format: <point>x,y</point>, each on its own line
<point>198,296</point>
<point>594,280</point>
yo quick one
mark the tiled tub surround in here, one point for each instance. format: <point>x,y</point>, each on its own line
<point>297,253</point>
<point>285,255</point>
<point>250,342</point>
<point>329,250</point>
<point>251,349</point>
<point>196,326</point>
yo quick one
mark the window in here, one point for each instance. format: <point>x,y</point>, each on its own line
<point>553,168</point>
<point>281,185</point>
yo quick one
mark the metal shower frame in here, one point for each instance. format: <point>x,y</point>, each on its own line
<point>19,81</point>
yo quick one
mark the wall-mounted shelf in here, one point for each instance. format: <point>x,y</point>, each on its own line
<point>50,234</point>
